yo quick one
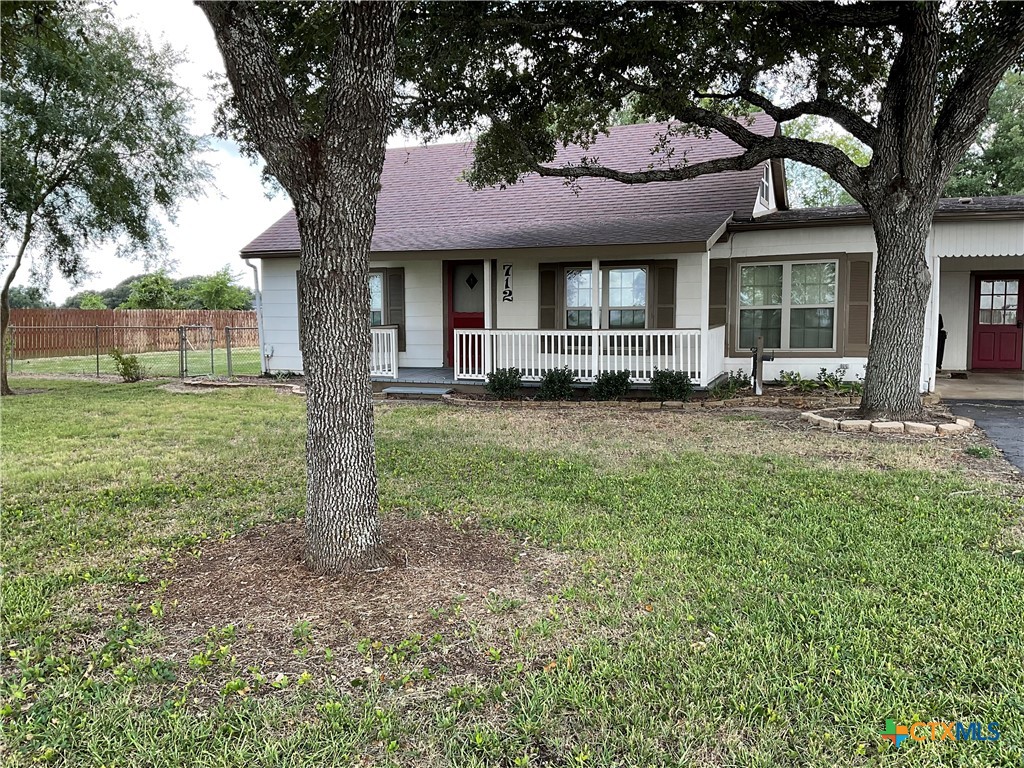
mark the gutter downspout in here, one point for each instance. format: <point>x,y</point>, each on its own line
<point>258,300</point>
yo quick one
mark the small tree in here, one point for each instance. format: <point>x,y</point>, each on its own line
<point>31,297</point>
<point>218,291</point>
<point>95,136</point>
<point>156,291</point>
<point>91,301</point>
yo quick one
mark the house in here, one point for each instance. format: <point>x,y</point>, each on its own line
<point>675,275</point>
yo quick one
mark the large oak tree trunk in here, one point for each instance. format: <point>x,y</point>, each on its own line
<point>892,381</point>
<point>330,162</point>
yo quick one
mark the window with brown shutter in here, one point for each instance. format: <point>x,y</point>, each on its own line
<point>395,306</point>
<point>858,304</point>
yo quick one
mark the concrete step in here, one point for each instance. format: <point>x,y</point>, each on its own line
<point>433,392</point>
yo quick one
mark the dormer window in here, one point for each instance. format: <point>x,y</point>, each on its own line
<point>764,191</point>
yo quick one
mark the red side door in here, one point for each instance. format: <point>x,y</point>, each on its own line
<point>465,289</point>
<point>998,324</point>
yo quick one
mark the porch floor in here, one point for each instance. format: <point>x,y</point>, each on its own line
<point>425,376</point>
<point>982,386</point>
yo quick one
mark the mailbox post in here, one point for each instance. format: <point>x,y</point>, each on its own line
<point>760,357</point>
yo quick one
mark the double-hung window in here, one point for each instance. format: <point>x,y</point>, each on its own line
<point>623,297</point>
<point>376,284</point>
<point>792,305</point>
<point>627,297</point>
<point>578,296</point>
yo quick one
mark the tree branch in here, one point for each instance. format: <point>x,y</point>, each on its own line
<point>259,87</point>
<point>857,126</point>
<point>966,106</point>
<point>758,148</point>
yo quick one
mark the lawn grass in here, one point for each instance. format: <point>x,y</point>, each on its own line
<point>245,361</point>
<point>739,591</point>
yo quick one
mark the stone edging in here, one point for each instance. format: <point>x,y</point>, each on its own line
<point>956,427</point>
<point>294,389</point>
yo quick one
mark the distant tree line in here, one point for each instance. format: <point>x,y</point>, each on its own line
<point>156,290</point>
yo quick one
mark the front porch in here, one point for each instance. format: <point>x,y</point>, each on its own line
<point>587,353</point>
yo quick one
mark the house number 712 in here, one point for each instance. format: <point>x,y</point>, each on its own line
<point>506,288</point>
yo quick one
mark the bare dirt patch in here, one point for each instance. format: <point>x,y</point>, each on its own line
<point>450,608</point>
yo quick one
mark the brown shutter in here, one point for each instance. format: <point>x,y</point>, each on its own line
<point>665,295</point>
<point>718,294</point>
<point>548,299</point>
<point>395,287</point>
<point>298,303</point>
<point>858,304</point>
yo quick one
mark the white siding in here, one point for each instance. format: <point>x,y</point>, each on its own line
<point>979,238</point>
<point>424,313</point>
<point>955,302</point>
<point>807,367</point>
<point>280,315</point>
<point>794,242</point>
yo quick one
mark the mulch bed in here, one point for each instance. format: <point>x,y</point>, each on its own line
<point>932,415</point>
<point>464,587</point>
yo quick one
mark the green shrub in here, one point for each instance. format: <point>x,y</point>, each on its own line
<point>734,383</point>
<point>671,385</point>
<point>611,386</point>
<point>128,366</point>
<point>556,384</point>
<point>505,383</point>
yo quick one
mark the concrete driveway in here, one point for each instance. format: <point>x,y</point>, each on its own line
<point>1002,420</point>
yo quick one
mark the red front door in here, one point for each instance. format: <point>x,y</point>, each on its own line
<point>465,288</point>
<point>998,324</point>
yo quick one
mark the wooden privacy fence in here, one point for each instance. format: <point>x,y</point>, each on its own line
<point>68,332</point>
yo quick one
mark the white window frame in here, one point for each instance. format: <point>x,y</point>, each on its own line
<point>383,297</point>
<point>603,292</point>
<point>764,189</point>
<point>606,306</point>
<point>787,305</point>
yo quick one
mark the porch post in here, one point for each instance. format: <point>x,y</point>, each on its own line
<point>704,375</point>
<point>595,316</point>
<point>488,306</point>
<point>929,361</point>
<point>488,318</point>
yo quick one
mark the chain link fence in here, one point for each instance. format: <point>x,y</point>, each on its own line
<point>180,351</point>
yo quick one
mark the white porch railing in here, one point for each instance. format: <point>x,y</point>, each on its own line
<point>384,352</point>
<point>715,349</point>
<point>586,353</point>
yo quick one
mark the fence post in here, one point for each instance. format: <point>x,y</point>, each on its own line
<point>182,354</point>
<point>213,368</point>
<point>227,349</point>
<point>10,350</point>
<point>97,351</point>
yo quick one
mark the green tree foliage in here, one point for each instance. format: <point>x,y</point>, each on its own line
<point>810,187</point>
<point>95,138</point>
<point>92,301</point>
<point>218,291</point>
<point>910,81</point>
<point>994,165</point>
<point>28,297</point>
<point>156,291</point>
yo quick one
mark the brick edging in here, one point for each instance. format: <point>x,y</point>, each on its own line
<point>765,401</point>
<point>956,427</point>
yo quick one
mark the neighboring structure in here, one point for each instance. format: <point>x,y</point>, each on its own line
<point>677,275</point>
